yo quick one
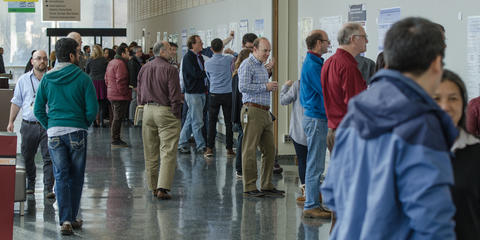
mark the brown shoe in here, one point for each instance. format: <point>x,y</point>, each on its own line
<point>208,152</point>
<point>77,224</point>
<point>163,195</point>
<point>317,213</point>
<point>301,200</point>
<point>230,153</point>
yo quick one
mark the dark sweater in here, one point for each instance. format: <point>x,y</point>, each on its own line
<point>236,100</point>
<point>96,68</point>
<point>193,75</point>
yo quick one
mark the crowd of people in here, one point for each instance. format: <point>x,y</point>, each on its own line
<point>404,148</point>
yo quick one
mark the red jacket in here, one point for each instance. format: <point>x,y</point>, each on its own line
<point>116,79</point>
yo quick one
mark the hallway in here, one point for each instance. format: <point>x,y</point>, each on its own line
<point>207,200</point>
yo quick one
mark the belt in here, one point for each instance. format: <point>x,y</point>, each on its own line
<point>30,122</point>
<point>154,103</point>
<point>250,104</point>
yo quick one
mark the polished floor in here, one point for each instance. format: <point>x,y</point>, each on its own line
<point>207,200</point>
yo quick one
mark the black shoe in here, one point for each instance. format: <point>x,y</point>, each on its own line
<point>184,150</point>
<point>273,192</point>
<point>119,144</point>
<point>277,169</point>
<point>254,193</point>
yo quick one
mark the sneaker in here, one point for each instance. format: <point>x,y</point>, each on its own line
<point>30,191</point>
<point>50,195</point>
<point>77,224</point>
<point>66,228</point>
<point>119,144</point>
<point>230,153</point>
<point>317,213</point>
<point>277,169</point>
<point>184,150</point>
<point>208,152</point>
<point>238,174</point>
<point>254,193</point>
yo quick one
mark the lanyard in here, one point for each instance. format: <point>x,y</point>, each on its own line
<point>33,88</point>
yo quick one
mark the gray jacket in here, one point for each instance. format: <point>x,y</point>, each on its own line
<point>292,95</point>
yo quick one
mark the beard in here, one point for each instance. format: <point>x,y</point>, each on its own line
<point>41,67</point>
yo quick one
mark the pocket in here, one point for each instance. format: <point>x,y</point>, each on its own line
<point>77,140</point>
<point>53,142</point>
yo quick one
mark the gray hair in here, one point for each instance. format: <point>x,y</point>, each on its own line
<point>347,31</point>
<point>157,48</point>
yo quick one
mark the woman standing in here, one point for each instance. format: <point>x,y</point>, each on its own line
<point>451,96</point>
<point>96,67</point>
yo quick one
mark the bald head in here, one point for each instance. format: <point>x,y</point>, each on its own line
<point>161,49</point>
<point>39,60</point>
<point>76,36</point>
<point>318,41</point>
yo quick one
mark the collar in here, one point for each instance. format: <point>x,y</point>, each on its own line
<point>217,54</point>
<point>347,56</point>
<point>463,140</point>
<point>316,54</point>
<point>254,59</point>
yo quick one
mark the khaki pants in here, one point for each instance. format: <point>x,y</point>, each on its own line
<point>258,131</point>
<point>160,130</point>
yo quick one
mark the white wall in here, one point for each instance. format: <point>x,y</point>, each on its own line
<point>444,12</point>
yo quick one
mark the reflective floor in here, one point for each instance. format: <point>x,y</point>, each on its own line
<point>207,200</point>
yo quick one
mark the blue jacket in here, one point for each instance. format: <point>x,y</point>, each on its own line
<point>311,95</point>
<point>390,171</point>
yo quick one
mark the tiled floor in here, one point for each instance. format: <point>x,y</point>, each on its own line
<point>207,201</point>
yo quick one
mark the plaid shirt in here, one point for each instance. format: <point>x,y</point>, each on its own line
<point>252,79</point>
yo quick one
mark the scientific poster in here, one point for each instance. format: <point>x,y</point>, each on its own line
<point>358,13</point>
<point>259,27</point>
<point>331,25</point>
<point>208,37</point>
<point>305,26</point>
<point>235,44</point>
<point>203,36</point>
<point>222,32</point>
<point>242,28</point>
<point>184,42</point>
<point>386,19</point>
<point>473,57</point>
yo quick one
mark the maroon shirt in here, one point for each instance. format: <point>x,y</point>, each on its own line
<point>473,116</point>
<point>341,80</point>
<point>158,82</point>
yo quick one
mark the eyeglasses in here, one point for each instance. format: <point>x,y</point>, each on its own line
<point>365,36</point>
<point>323,40</point>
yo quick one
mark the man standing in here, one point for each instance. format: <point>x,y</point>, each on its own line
<point>134,65</point>
<point>87,50</point>
<point>220,78</point>
<point>194,78</point>
<point>341,79</point>
<point>159,91</point>
<point>2,64</point>
<point>70,96</point>
<point>257,121</point>
<point>390,173</point>
<point>314,121</point>
<point>33,135</point>
<point>118,92</point>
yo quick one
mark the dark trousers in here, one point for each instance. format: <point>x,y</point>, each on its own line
<point>119,111</point>
<point>34,135</point>
<point>238,161</point>
<point>301,151</point>
<point>215,102</point>
<point>205,117</point>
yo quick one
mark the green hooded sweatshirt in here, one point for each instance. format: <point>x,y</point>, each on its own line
<point>70,96</point>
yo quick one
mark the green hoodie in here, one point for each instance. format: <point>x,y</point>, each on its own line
<point>70,96</point>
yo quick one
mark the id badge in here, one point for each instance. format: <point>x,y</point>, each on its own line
<point>245,118</point>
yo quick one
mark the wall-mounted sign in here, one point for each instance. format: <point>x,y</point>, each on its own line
<point>61,10</point>
<point>21,7</point>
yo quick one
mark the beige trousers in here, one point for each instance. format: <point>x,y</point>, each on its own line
<point>160,133</point>
<point>257,132</point>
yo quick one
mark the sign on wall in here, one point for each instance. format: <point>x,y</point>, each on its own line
<point>61,10</point>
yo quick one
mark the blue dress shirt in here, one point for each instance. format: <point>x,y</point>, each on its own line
<point>252,81</point>
<point>24,95</point>
<point>219,73</point>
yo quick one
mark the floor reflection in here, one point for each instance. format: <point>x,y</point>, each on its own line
<point>207,201</point>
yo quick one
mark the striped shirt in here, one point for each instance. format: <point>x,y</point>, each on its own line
<point>252,81</point>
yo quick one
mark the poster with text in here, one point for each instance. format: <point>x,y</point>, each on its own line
<point>305,26</point>
<point>386,19</point>
<point>331,25</point>
<point>473,57</point>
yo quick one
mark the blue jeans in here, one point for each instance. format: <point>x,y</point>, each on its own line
<point>68,153</point>
<point>194,122</point>
<point>316,130</point>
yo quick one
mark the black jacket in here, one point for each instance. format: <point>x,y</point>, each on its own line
<point>2,65</point>
<point>466,192</point>
<point>96,68</point>
<point>193,75</point>
<point>236,100</point>
<point>133,70</point>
